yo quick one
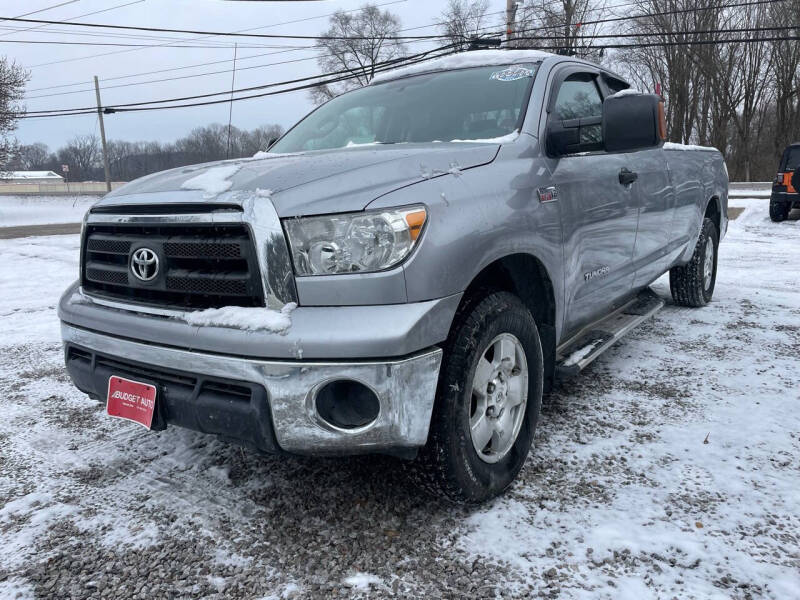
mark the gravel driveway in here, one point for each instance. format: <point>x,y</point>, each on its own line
<point>669,468</point>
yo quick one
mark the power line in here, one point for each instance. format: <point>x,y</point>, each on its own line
<point>162,80</point>
<point>80,34</point>
<point>151,81</point>
<point>204,46</point>
<point>217,33</point>
<point>96,12</point>
<point>386,65</point>
<point>603,36</point>
<point>346,76</point>
<point>665,33</point>
<point>655,44</point>
<point>382,64</point>
<point>102,54</point>
<point>192,66</point>
<point>41,10</point>
<point>644,16</point>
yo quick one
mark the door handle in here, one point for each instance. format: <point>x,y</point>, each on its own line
<point>627,177</point>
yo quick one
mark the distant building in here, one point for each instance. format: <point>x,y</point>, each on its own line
<point>30,177</point>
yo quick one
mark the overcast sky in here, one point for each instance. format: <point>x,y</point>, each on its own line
<point>210,15</point>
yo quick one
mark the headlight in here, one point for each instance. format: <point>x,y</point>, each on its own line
<point>355,242</point>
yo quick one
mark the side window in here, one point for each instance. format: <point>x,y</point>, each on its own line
<point>579,99</point>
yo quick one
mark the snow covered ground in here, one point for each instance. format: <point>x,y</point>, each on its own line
<point>668,468</point>
<point>43,210</point>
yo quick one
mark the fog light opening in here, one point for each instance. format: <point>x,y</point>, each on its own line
<point>347,404</point>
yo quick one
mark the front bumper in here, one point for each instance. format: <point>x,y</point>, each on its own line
<point>281,398</point>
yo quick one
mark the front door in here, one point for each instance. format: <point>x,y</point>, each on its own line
<point>599,207</point>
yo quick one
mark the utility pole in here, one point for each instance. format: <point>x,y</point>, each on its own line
<point>102,134</point>
<point>230,109</point>
<point>511,13</point>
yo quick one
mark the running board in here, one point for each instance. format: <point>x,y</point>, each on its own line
<point>582,349</point>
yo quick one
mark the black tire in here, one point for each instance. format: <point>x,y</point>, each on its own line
<point>778,211</point>
<point>449,463</point>
<point>688,283</point>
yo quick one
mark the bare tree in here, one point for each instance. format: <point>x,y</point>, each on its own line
<point>558,25</point>
<point>82,155</point>
<point>12,86</point>
<point>31,157</point>
<point>356,42</point>
<point>786,77</point>
<point>462,20</point>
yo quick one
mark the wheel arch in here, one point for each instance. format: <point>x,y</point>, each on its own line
<point>525,276</point>
<point>714,212</point>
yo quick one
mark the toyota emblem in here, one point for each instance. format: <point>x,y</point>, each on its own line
<point>144,264</point>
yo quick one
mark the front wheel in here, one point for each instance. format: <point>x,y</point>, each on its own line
<point>693,283</point>
<point>488,400</point>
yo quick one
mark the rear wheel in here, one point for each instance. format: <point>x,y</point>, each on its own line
<point>489,396</point>
<point>693,283</point>
<point>778,211</point>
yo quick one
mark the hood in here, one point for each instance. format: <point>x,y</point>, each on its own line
<point>320,182</point>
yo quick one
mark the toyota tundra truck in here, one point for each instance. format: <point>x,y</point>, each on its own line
<point>405,271</point>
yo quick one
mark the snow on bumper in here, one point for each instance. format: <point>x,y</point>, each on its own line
<point>405,388</point>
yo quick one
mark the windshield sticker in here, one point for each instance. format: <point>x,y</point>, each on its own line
<point>511,74</point>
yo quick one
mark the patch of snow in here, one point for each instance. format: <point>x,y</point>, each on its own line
<point>627,92</point>
<point>674,146</point>
<point>580,354</point>
<point>263,193</point>
<point>462,60</point>
<point>352,144</point>
<point>15,588</point>
<point>260,154</point>
<point>362,581</point>
<point>505,139</point>
<point>43,210</point>
<point>242,317</point>
<point>214,181</point>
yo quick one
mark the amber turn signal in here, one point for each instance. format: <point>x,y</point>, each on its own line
<point>415,222</point>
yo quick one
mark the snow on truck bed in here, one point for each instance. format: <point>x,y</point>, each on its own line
<point>668,468</point>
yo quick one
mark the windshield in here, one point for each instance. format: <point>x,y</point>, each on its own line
<point>479,103</point>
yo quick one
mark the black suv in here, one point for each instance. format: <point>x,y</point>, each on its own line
<point>786,187</point>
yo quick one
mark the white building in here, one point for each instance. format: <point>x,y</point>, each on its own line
<point>30,177</point>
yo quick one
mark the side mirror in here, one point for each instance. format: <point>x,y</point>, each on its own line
<point>633,121</point>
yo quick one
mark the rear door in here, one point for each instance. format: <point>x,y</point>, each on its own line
<point>599,211</point>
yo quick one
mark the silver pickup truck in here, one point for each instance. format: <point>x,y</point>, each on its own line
<point>405,271</point>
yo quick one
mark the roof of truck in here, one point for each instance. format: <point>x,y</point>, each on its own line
<point>472,58</point>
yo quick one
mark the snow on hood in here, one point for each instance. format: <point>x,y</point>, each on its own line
<point>475,58</point>
<point>213,181</point>
<point>320,182</point>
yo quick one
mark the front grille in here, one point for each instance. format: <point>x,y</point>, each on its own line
<point>200,265</point>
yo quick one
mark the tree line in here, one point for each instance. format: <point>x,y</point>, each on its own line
<point>129,160</point>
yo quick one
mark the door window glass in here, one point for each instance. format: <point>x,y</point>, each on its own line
<point>578,98</point>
